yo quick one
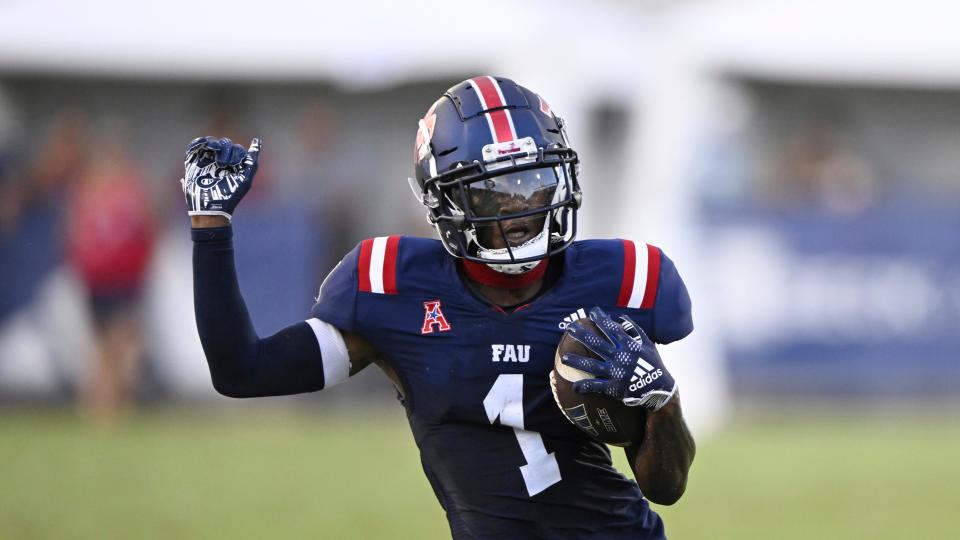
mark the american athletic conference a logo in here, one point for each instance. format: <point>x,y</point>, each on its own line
<point>433,318</point>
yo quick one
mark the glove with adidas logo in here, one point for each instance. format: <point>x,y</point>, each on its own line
<point>629,368</point>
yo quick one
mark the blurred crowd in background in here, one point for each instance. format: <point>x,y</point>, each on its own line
<point>829,215</point>
<point>94,244</point>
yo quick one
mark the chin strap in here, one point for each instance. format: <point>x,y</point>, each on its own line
<point>483,274</point>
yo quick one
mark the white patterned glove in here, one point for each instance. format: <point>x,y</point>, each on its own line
<point>217,174</point>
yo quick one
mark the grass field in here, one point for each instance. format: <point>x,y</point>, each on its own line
<point>280,475</point>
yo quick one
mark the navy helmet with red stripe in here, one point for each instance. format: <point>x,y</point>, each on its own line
<point>497,175</point>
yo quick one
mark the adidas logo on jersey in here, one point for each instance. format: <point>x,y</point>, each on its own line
<point>578,314</point>
<point>643,374</point>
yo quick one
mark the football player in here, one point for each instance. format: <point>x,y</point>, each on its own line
<point>466,326</point>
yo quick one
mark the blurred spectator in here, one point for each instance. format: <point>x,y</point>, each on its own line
<point>9,188</point>
<point>315,176</point>
<point>10,191</point>
<point>32,208</point>
<point>64,153</point>
<point>819,167</point>
<point>59,156</point>
<point>109,241</point>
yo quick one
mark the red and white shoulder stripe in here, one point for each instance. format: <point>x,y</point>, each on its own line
<point>641,275</point>
<point>377,268</point>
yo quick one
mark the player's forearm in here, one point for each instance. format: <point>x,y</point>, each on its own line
<point>242,364</point>
<point>662,460</point>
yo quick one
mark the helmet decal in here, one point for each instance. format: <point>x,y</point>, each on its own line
<point>425,133</point>
<point>491,97</point>
<point>544,106</point>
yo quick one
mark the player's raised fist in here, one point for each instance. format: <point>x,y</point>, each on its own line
<point>629,367</point>
<point>217,174</point>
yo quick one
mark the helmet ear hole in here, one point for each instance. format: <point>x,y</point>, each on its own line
<point>449,237</point>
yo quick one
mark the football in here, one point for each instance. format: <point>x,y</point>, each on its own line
<point>602,417</point>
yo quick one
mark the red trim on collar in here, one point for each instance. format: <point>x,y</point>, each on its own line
<point>485,275</point>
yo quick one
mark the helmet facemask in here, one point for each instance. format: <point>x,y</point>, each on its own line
<point>511,212</point>
<point>504,229</point>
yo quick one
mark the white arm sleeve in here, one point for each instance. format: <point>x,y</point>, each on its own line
<point>336,360</point>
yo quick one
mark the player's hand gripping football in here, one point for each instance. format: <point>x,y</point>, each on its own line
<point>217,174</point>
<point>629,368</point>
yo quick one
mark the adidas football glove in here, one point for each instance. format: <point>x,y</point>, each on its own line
<point>629,368</point>
<point>217,174</point>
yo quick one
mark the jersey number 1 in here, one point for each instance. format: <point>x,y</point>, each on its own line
<point>505,401</point>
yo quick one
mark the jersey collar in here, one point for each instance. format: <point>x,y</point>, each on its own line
<point>485,275</point>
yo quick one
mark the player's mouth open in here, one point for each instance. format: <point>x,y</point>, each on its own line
<point>517,233</point>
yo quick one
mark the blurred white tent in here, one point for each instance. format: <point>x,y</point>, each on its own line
<point>377,43</point>
<point>361,43</point>
<point>848,41</point>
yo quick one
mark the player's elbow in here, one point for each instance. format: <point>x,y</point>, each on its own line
<point>668,483</point>
<point>230,389</point>
<point>231,371</point>
<point>230,385</point>
<point>667,493</point>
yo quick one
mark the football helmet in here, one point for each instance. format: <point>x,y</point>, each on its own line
<point>497,175</point>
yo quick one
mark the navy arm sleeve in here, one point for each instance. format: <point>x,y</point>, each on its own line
<point>242,364</point>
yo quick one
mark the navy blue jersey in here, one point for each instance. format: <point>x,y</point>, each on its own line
<point>502,459</point>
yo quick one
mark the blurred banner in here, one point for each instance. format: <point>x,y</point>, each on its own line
<point>832,214</point>
<point>817,304</point>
